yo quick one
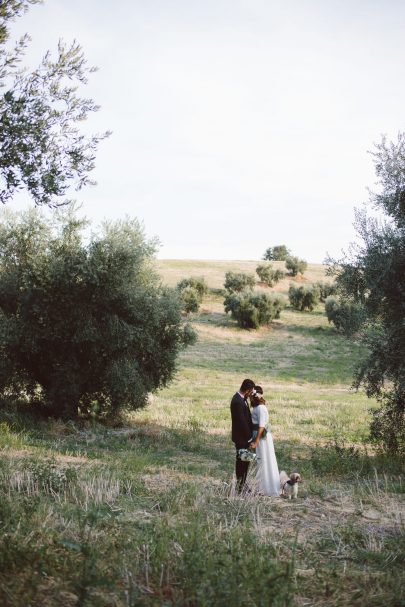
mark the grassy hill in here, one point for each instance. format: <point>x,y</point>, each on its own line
<point>173,270</point>
<point>146,514</point>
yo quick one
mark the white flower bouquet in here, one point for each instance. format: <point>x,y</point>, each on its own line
<point>247,455</point>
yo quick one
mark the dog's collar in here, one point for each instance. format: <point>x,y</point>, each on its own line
<point>287,483</point>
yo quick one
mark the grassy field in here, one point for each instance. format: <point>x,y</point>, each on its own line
<point>146,514</point>
<point>174,270</point>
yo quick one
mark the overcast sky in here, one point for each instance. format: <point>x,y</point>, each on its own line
<point>237,124</point>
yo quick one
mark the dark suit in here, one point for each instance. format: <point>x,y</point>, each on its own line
<point>242,430</point>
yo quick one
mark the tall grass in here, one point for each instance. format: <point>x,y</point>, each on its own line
<point>146,514</point>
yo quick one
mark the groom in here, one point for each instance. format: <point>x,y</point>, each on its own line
<point>241,428</point>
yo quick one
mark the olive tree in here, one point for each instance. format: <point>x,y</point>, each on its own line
<point>347,315</point>
<point>326,289</point>
<point>252,310</point>
<point>43,148</point>
<point>267,275</point>
<point>236,282</point>
<point>276,253</point>
<point>303,298</point>
<point>85,327</point>
<point>295,266</point>
<point>372,275</point>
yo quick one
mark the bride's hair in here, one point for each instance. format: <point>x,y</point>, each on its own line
<point>257,398</point>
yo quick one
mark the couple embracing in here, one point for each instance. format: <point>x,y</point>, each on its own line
<point>250,434</point>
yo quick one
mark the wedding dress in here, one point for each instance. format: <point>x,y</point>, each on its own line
<point>267,476</point>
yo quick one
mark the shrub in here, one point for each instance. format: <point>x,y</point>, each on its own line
<point>267,275</point>
<point>252,310</point>
<point>347,316</point>
<point>278,275</point>
<point>277,253</point>
<point>335,457</point>
<point>84,328</point>
<point>387,429</point>
<point>295,265</point>
<point>198,284</point>
<point>303,298</point>
<point>49,477</point>
<point>264,272</point>
<point>236,282</point>
<point>326,289</point>
<point>242,310</point>
<point>192,291</point>
<point>190,298</point>
<point>331,307</point>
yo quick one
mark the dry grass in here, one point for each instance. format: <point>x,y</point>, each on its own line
<point>147,514</point>
<point>173,270</point>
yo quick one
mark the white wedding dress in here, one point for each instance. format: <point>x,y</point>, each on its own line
<point>267,476</point>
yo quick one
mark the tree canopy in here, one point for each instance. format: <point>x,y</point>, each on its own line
<point>85,328</point>
<point>42,148</point>
<point>372,275</point>
<point>295,266</point>
<point>276,253</point>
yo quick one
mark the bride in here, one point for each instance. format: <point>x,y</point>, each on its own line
<point>267,476</point>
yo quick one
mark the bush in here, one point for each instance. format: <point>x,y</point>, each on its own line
<point>49,477</point>
<point>192,291</point>
<point>198,284</point>
<point>190,298</point>
<point>332,306</point>
<point>253,310</point>
<point>347,316</point>
<point>267,275</point>
<point>236,282</point>
<point>277,253</point>
<point>335,457</point>
<point>326,289</point>
<point>278,275</point>
<point>303,298</point>
<point>387,429</point>
<point>264,272</point>
<point>84,328</point>
<point>295,265</point>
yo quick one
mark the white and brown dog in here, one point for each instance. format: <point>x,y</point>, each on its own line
<point>289,484</point>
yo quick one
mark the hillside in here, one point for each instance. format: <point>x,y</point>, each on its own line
<point>146,513</point>
<point>172,270</point>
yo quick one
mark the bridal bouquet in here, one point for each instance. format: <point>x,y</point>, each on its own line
<point>247,455</point>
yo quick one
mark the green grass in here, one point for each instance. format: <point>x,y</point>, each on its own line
<point>145,514</point>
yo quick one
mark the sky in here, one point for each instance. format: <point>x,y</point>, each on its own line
<point>236,124</point>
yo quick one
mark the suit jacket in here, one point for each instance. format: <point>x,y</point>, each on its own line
<point>242,427</point>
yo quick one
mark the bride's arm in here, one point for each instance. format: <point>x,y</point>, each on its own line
<point>254,443</point>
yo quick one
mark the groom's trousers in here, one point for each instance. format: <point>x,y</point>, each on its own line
<point>241,469</point>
